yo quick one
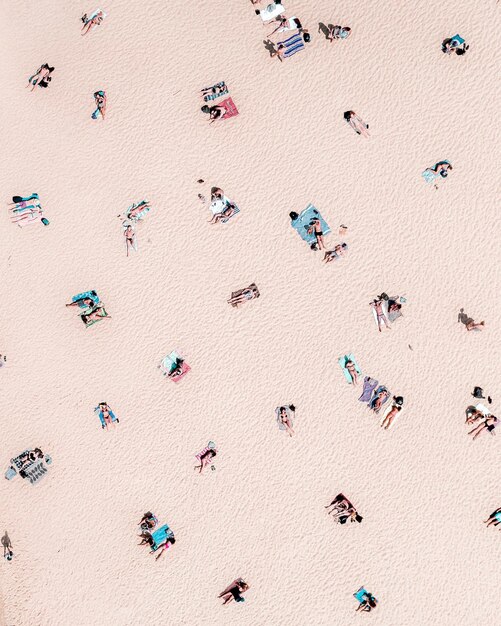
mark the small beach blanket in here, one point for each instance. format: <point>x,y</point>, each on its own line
<point>231,108</point>
<point>302,223</point>
<point>372,402</point>
<point>271,11</point>
<point>92,295</point>
<point>342,361</point>
<point>282,426</point>
<point>292,45</point>
<point>369,385</point>
<point>218,90</point>
<point>168,364</point>
<point>160,535</point>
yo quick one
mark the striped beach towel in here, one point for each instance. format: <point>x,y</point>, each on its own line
<point>292,45</point>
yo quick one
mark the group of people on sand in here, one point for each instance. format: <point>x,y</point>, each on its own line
<point>27,210</point>
<point>93,309</point>
<point>343,510</point>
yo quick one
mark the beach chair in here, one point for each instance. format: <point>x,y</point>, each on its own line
<point>169,363</point>
<point>342,360</point>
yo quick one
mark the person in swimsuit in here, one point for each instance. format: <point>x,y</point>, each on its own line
<point>130,237</point>
<point>41,77</point>
<point>316,229</point>
<point>338,32</point>
<point>88,24</point>
<point>352,371</point>
<point>246,295</point>
<point>377,305</point>
<point>100,99</point>
<point>206,458</point>
<point>165,545</point>
<point>357,123</point>
<point>494,518</point>
<point>489,423</point>
<point>94,315</point>
<point>284,418</point>
<point>233,591</point>
<point>392,413</point>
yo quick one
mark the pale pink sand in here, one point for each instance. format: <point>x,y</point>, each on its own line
<point>423,487</point>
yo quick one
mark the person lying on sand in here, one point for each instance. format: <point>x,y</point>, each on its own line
<point>233,591</point>
<point>357,123</point>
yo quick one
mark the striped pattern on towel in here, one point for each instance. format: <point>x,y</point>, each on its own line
<point>292,45</point>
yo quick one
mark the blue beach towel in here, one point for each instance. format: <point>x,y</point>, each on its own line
<point>302,223</point>
<point>342,361</point>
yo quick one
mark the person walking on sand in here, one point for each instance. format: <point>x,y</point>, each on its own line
<point>377,305</point>
<point>357,123</point>
<point>316,229</point>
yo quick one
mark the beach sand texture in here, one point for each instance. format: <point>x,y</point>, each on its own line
<point>423,487</point>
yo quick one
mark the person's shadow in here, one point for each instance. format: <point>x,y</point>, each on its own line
<point>324,29</point>
<point>270,46</point>
<point>463,317</point>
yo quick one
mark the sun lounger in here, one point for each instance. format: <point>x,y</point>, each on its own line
<point>342,361</point>
<point>302,223</point>
<point>168,364</point>
<point>292,45</point>
<point>160,535</point>
<point>271,11</point>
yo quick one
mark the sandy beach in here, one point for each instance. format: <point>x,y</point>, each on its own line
<point>423,487</point>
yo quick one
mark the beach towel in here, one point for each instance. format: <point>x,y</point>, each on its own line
<point>271,11</point>
<point>302,223</point>
<point>385,413</point>
<point>168,364</point>
<point>89,323</point>
<point>369,385</point>
<point>289,412</point>
<point>101,416</point>
<point>346,373</point>
<point>92,295</point>
<point>217,90</point>
<point>372,402</point>
<point>160,535</point>
<point>360,594</point>
<point>292,45</point>
<point>231,109</point>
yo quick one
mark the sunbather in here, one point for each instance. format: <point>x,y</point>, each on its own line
<point>494,518</point>
<point>396,407</point>
<point>377,305</point>
<point>100,99</point>
<point>316,229</point>
<point>233,591</point>
<point>94,20</point>
<point>215,112</point>
<point>352,370</point>
<point>338,32</point>
<point>489,423</point>
<point>148,521</point>
<point>283,416</point>
<point>368,603</point>
<point>206,459</point>
<point>249,293</point>
<point>357,123</point>
<point>165,545</point>
<point>95,315</point>
<point>42,76</point>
